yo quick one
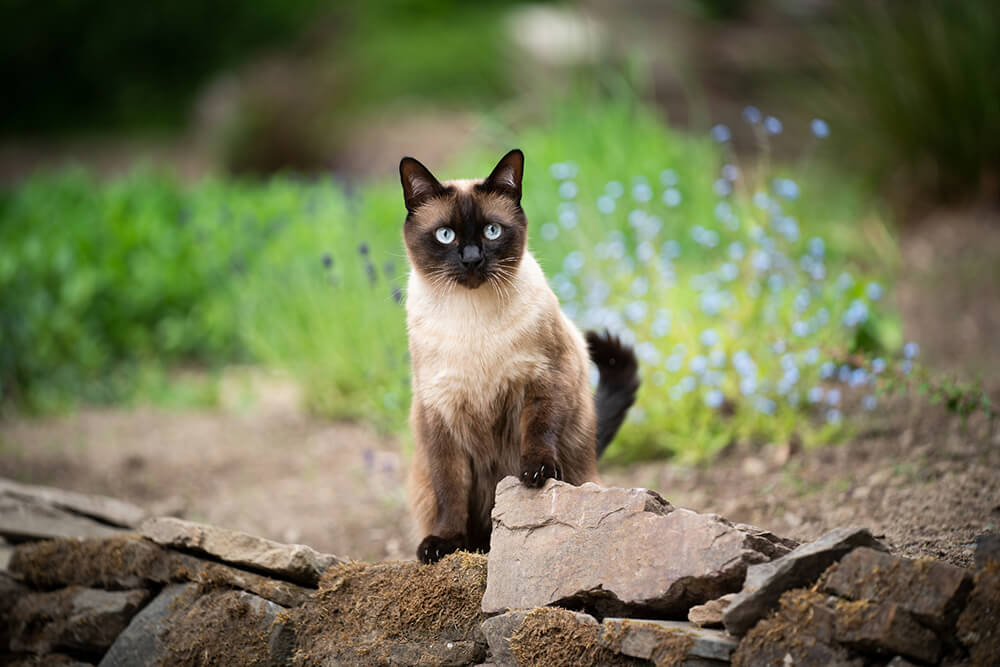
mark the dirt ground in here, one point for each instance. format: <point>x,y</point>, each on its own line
<point>914,474</point>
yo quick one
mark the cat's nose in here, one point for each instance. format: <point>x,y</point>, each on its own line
<point>471,257</point>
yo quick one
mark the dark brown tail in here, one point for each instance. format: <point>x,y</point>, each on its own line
<point>619,380</point>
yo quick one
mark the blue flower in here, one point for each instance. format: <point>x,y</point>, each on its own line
<point>668,177</point>
<point>688,383</point>
<point>363,248</point>
<point>674,362</point>
<point>717,358</point>
<point>698,364</point>
<point>568,216</point>
<point>614,189</point>
<point>820,128</point>
<point>786,187</point>
<point>645,251</point>
<point>800,329</point>
<point>811,356</point>
<point>911,350</point>
<point>869,402</point>
<point>730,172</point>
<point>606,204</point>
<point>573,262</point>
<point>729,272</point>
<point>827,370</point>
<point>721,133</point>
<point>568,190</point>
<point>636,311</point>
<point>736,251</point>
<point>906,366</point>
<point>550,231</point>
<point>844,281</point>
<point>327,260</point>
<point>765,405</point>
<point>562,170</point>
<point>751,114</point>
<point>714,398</point>
<point>641,192</point>
<point>647,353</point>
<point>815,395</point>
<point>878,365</point>
<point>722,187</point>
<point>639,286</point>
<point>709,338</point>
<point>671,249</point>
<point>858,377</point>
<point>661,324</point>
<point>856,313</point>
<point>761,200</point>
<point>748,386</point>
<point>833,416</point>
<point>672,197</point>
<point>873,291</point>
<point>833,397</point>
<point>772,125</point>
<point>816,246</point>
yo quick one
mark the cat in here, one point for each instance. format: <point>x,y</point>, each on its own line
<point>500,375</point>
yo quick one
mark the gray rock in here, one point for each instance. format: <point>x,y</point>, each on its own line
<point>987,549</point>
<point>10,592</point>
<point>140,643</point>
<point>658,640</point>
<point>499,629</point>
<point>932,591</point>
<point>613,550</point>
<point>82,620</point>
<point>26,519</point>
<point>766,582</point>
<point>104,509</point>
<point>709,615</point>
<point>295,562</point>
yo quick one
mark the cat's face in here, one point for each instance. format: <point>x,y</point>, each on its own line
<point>466,233</point>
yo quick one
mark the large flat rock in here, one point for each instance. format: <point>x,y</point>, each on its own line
<point>294,562</point>
<point>107,510</point>
<point>28,519</point>
<point>767,581</point>
<point>614,551</point>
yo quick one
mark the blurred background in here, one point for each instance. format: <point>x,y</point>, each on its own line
<point>788,207</point>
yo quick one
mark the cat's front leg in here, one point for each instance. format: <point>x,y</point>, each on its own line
<point>443,479</point>
<point>541,425</point>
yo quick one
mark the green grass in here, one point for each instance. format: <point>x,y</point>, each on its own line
<point>98,281</point>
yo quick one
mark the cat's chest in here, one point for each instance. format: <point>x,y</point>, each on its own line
<point>467,365</point>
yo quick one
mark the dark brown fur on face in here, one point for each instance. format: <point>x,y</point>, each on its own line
<point>500,375</point>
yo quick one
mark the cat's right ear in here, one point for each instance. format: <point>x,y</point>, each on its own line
<point>419,184</point>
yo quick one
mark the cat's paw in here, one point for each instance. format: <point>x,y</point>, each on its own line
<point>433,548</point>
<point>535,471</point>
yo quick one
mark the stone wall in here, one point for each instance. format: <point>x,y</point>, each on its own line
<point>576,576</point>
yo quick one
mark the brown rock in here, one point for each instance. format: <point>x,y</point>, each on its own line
<point>977,626</point>
<point>709,615</point>
<point>665,642</point>
<point>80,620</point>
<point>129,562</point>
<point>613,550</point>
<point>932,591</point>
<point>766,582</point>
<point>107,510</point>
<point>800,633</point>
<point>553,636</point>
<point>295,562</point>
<point>884,628</point>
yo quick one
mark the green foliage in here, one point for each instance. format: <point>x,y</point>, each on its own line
<point>917,82</point>
<point>99,281</point>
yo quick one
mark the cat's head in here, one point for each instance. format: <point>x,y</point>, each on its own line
<point>468,233</point>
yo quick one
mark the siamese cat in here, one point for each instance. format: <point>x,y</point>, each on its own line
<point>500,375</point>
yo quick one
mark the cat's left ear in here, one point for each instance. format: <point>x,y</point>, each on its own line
<point>506,176</point>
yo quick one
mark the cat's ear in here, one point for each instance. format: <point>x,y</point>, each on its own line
<point>419,184</point>
<point>506,176</point>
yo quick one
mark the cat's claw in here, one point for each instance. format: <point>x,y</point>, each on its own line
<point>535,475</point>
<point>433,548</point>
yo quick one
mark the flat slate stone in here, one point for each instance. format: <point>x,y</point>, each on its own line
<point>27,519</point>
<point>766,582</point>
<point>295,562</point>
<point>82,620</point>
<point>932,591</point>
<point>612,550</point>
<point>108,510</point>
<point>140,643</point>
<point>646,639</point>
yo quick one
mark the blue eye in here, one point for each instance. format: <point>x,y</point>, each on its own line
<point>445,235</point>
<point>492,231</point>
